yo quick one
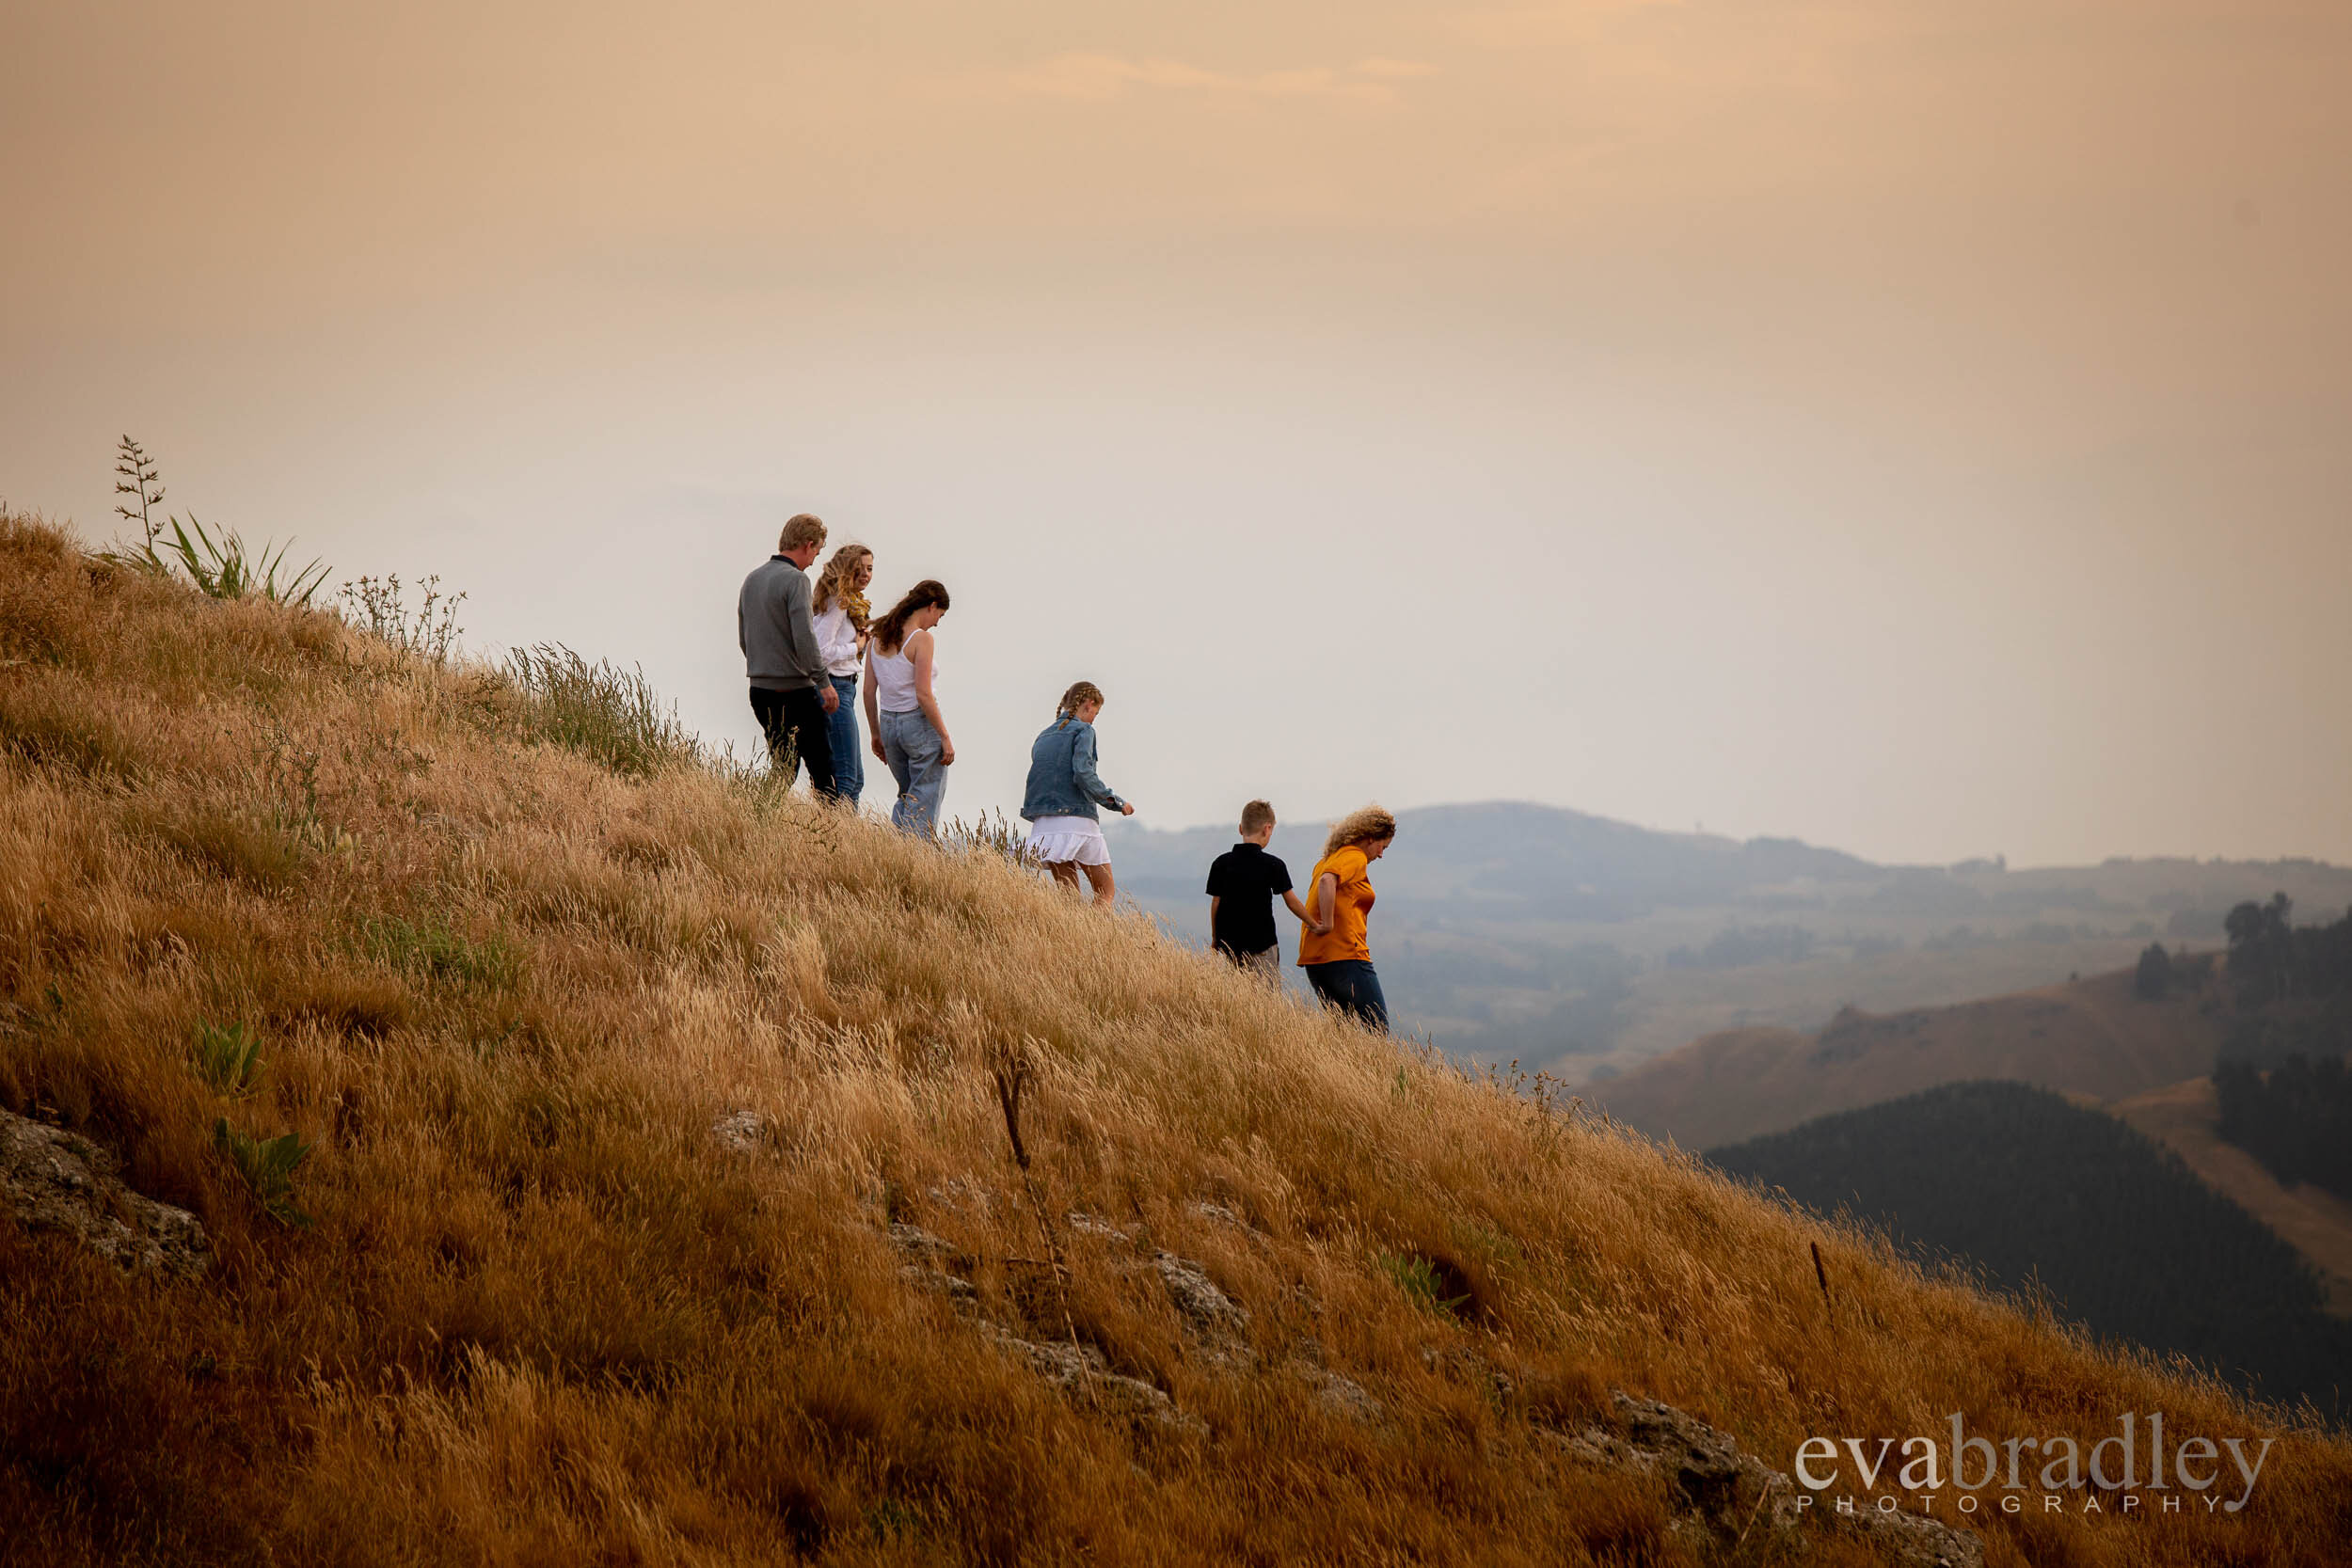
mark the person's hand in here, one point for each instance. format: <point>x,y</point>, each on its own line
<point>1127,808</point>
<point>879,756</point>
<point>830,698</point>
<point>946,752</point>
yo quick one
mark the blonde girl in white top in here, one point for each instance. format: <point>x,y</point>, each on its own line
<point>839,605</point>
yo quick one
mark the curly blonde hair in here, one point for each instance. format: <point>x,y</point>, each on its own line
<point>839,577</point>
<point>1360,826</point>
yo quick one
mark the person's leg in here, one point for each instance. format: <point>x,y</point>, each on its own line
<point>1265,965</point>
<point>1065,872</point>
<point>914,760</point>
<point>848,748</point>
<point>895,755</point>
<point>1105,890</point>
<point>1320,981</point>
<point>768,707</point>
<point>901,762</point>
<point>811,726</point>
<point>928,790</point>
<point>1371,1005</point>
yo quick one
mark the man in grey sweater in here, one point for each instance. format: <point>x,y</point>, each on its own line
<point>792,691</point>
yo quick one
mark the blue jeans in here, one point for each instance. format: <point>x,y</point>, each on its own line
<point>912,747</point>
<point>848,752</point>
<point>1353,987</point>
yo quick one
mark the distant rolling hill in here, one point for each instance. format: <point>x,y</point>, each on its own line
<point>1510,929</point>
<point>2090,1036</point>
<point>2039,1192</point>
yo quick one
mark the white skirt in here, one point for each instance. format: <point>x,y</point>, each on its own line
<point>1056,840</point>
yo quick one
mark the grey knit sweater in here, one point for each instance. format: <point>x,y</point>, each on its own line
<point>772,625</point>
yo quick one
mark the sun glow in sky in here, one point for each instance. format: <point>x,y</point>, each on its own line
<point>1919,429</point>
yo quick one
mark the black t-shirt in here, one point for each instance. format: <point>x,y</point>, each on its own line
<point>1245,881</point>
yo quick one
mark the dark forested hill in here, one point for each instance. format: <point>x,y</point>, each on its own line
<point>2032,1188</point>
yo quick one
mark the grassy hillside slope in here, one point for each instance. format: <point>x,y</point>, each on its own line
<point>2039,1191</point>
<point>508,975</point>
<point>2088,1036</point>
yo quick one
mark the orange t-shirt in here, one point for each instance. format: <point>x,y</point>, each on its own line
<point>1350,905</point>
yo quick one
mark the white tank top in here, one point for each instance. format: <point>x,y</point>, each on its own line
<point>894,679</point>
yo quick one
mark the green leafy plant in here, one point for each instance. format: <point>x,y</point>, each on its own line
<point>1417,1278</point>
<point>227,568</point>
<point>267,1167</point>
<point>223,568</point>
<point>229,1058</point>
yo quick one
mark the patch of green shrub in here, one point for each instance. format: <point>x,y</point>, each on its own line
<point>443,955</point>
<point>228,1059</point>
<point>267,1167</point>
<point>608,714</point>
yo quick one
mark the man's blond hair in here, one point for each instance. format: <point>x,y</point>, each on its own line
<point>805,528</point>
<point>1256,814</point>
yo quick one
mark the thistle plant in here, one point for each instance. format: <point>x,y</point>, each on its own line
<point>267,1167</point>
<point>229,1059</point>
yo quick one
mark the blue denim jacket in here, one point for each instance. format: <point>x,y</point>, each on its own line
<point>1062,779</point>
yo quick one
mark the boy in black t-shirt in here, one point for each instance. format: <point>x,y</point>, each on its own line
<point>1242,885</point>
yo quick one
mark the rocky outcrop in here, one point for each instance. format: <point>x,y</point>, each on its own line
<point>741,1132</point>
<point>1729,1496</point>
<point>57,1180</point>
<point>1081,1371</point>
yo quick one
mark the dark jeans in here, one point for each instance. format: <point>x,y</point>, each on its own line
<point>797,727</point>
<point>1353,987</point>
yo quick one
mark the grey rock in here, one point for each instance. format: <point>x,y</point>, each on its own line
<point>741,1132</point>
<point>1086,1224</point>
<point>931,1263</point>
<point>1728,1494</point>
<point>57,1180</point>
<point>1341,1396</point>
<point>1080,1372</point>
<point>1208,1310</point>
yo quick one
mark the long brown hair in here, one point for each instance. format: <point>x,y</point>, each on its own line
<point>890,632</point>
<point>840,576</point>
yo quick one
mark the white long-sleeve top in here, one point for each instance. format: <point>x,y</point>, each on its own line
<point>837,639</point>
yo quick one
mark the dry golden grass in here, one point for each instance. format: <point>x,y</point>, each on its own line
<point>545,1316</point>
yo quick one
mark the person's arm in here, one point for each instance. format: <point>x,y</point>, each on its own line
<point>1327,899</point>
<point>800,629</point>
<point>1081,767</point>
<point>1214,901</point>
<point>1290,896</point>
<point>919,654</point>
<point>873,715</point>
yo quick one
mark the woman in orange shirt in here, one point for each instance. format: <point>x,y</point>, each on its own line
<point>1338,960</point>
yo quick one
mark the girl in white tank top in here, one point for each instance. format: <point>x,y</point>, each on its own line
<point>894,679</point>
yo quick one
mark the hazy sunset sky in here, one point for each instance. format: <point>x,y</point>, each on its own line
<point>1920,428</point>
